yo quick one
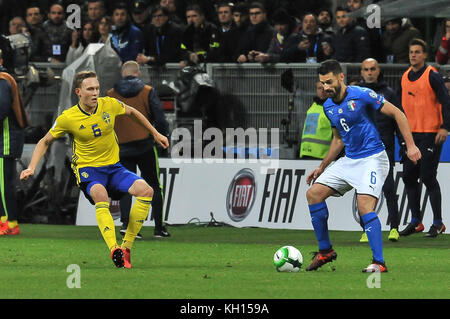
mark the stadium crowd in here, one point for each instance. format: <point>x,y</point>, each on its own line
<point>156,32</point>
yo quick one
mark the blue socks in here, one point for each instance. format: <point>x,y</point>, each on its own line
<point>319,218</point>
<point>372,227</point>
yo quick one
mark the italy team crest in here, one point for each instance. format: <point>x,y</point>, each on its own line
<point>351,105</point>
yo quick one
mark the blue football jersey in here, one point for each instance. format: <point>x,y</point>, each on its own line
<point>352,118</point>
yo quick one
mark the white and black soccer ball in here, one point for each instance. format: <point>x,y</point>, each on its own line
<point>288,259</point>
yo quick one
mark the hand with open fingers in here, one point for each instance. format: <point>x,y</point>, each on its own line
<point>414,154</point>
<point>313,175</point>
<point>26,173</point>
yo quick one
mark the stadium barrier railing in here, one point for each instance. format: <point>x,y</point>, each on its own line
<point>257,86</point>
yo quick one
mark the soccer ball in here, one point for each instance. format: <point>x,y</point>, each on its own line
<point>288,259</point>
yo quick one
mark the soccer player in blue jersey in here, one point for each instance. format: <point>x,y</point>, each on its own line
<point>364,166</point>
<point>95,160</point>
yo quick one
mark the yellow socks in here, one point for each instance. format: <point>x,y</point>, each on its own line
<point>12,223</point>
<point>138,214</point>
<point>106,224</point>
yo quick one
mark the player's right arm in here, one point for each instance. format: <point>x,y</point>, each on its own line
<point>336,146</point>
<point>39,151</point>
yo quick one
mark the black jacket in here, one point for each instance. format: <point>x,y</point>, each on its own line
<point>229,50</point>
<point>40,44</point>
<point>205,41</point>
<point>257,37</point>
<point>12,136</point>
<point>291,52</point>
<point>163,43</point>
<point>351,44</point>
<point>387,127</point>
<point>59,36</point>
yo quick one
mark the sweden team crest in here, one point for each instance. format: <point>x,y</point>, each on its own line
<point>106,118</point>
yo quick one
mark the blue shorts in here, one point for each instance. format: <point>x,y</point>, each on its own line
<point>115,178</point>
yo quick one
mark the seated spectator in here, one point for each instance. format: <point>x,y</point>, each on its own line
<point>229,51</point>
<point>351,41</point>
<point>325,19</point>
<point>225,17</point>
<point>395,40</point>
<point>162,40</point>
<point>104,30</point>
<point>16,25</point>
<point>258,36</point>
<point>59,34</point>
<point>95,11</point>
<point>374,34</point>
<point>284,25</point>
<point>140,14</point>
<point>200,40</point>
<point>310,45</point>
<point>174,17</point>
<point>240,15</point>
<point>126,38</point>
<point>443,52</point>
<point>81,41</point>
<point>354,5</point>
<point>40,47</point>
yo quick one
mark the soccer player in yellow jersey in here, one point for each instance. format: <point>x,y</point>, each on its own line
<point>95,160</point>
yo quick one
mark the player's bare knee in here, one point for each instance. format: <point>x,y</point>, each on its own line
<point>313,196</point>
<point>148,191</point>
<point>99,194</point>
<point>140,188</point>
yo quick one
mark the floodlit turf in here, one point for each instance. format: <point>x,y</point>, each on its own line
<point>215,262</point>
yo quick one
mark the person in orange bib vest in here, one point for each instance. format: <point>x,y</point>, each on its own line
<point>137,147</point>
<point>426,103</point>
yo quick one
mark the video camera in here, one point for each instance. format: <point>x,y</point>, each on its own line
<point>16,50</point>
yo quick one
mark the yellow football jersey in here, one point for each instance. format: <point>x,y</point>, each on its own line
<point>94,140</point>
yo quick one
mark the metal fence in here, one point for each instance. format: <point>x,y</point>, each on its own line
<point>257,86</point>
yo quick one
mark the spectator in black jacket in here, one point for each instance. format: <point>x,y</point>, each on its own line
<point>59,34</point>
<point>200,40</point>
<point>351,41</point>
<point>229,50</point>
<point>225,17</point>
<point>140,14</point>
<point>284,26</point>
<point>258,35</point>
<point>310,45</point>
<point>372,78</point>
<point>162,40</point>
<point>39,40</point>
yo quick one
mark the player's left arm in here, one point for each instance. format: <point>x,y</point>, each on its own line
<point>139,118</point>
<point>391,110</point>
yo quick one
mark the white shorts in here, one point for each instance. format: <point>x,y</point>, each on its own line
<point>366,175</point>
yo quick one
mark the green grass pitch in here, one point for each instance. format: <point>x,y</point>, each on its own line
<point>215,263</point>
